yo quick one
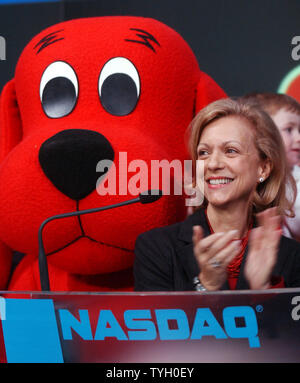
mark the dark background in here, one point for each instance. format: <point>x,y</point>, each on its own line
<point>244,45</point>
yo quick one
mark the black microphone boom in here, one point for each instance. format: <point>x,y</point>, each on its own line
<point>154,195</point>
<point>145,197</point>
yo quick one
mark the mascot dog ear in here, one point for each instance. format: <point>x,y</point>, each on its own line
<point>207,91</point>
<point>10,135</point>
<point>10,120</point>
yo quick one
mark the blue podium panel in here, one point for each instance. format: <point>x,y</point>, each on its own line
<point>30,331</point>
<point>240,326</point>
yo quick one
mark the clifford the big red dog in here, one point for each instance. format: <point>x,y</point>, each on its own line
<point>87,90</point>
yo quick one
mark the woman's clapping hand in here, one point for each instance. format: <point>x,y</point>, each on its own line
<point>213,254</point>
<point>263,248</point>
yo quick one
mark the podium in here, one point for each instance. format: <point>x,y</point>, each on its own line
<point>177,327</point>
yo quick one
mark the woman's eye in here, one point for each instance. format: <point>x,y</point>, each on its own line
<point>231,151</point>
<point>288,130</point>
<point>202,153</point>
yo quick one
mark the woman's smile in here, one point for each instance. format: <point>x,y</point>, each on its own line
<point>218,182</point>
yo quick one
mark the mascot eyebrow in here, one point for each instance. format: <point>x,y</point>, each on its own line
<point>146,38</point>
<point>51,38</point>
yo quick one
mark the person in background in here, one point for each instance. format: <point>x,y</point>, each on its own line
<point>233,240</point>
<point>285,112</point>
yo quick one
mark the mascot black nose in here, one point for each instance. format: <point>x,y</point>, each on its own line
<point>69,160</point>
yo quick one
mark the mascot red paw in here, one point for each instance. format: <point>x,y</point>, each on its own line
<point>110,88</point>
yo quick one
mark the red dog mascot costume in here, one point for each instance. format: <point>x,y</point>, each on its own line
<point>86,90</point>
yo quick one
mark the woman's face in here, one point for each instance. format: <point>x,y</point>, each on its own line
<point>232,166</point>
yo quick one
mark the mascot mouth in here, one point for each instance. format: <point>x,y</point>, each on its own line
<point>83,236</point>
<point>101,243</point>
<point>87,256</point>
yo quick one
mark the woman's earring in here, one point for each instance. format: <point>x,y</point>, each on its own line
<point>261,179</point>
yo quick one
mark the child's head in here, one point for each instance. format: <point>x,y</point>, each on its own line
<point>285,112</point>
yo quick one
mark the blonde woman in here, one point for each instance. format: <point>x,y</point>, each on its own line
<point>233,241</point>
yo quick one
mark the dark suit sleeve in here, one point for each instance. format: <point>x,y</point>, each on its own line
<point>288,265</point>
<point>295,279</point>
<point>153,265</point>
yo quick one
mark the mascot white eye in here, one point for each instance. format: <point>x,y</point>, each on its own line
<point>58,89</point>
<point>119,86</point>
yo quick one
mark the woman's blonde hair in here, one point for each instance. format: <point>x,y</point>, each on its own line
<point>279,189</point>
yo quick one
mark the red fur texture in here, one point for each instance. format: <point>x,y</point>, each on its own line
<point>95,252</point>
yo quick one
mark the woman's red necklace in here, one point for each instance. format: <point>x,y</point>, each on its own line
<point>233,269</point>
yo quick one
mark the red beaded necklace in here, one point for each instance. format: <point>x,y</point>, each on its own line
<point>233,269</point>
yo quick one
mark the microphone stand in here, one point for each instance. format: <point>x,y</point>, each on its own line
<point>144,198</point>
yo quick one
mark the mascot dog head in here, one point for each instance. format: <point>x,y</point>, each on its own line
<point>88,90</point>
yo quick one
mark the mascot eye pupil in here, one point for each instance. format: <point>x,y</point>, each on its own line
<point>119,94</point>
<point>58,97</point>
<point>58,89</point>
<point>119,86</point>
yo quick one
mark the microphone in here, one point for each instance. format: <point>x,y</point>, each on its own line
<point>154,195</point>
<point>146,197</point>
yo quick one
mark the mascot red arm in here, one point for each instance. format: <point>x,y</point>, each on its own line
<point>116,89</point>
